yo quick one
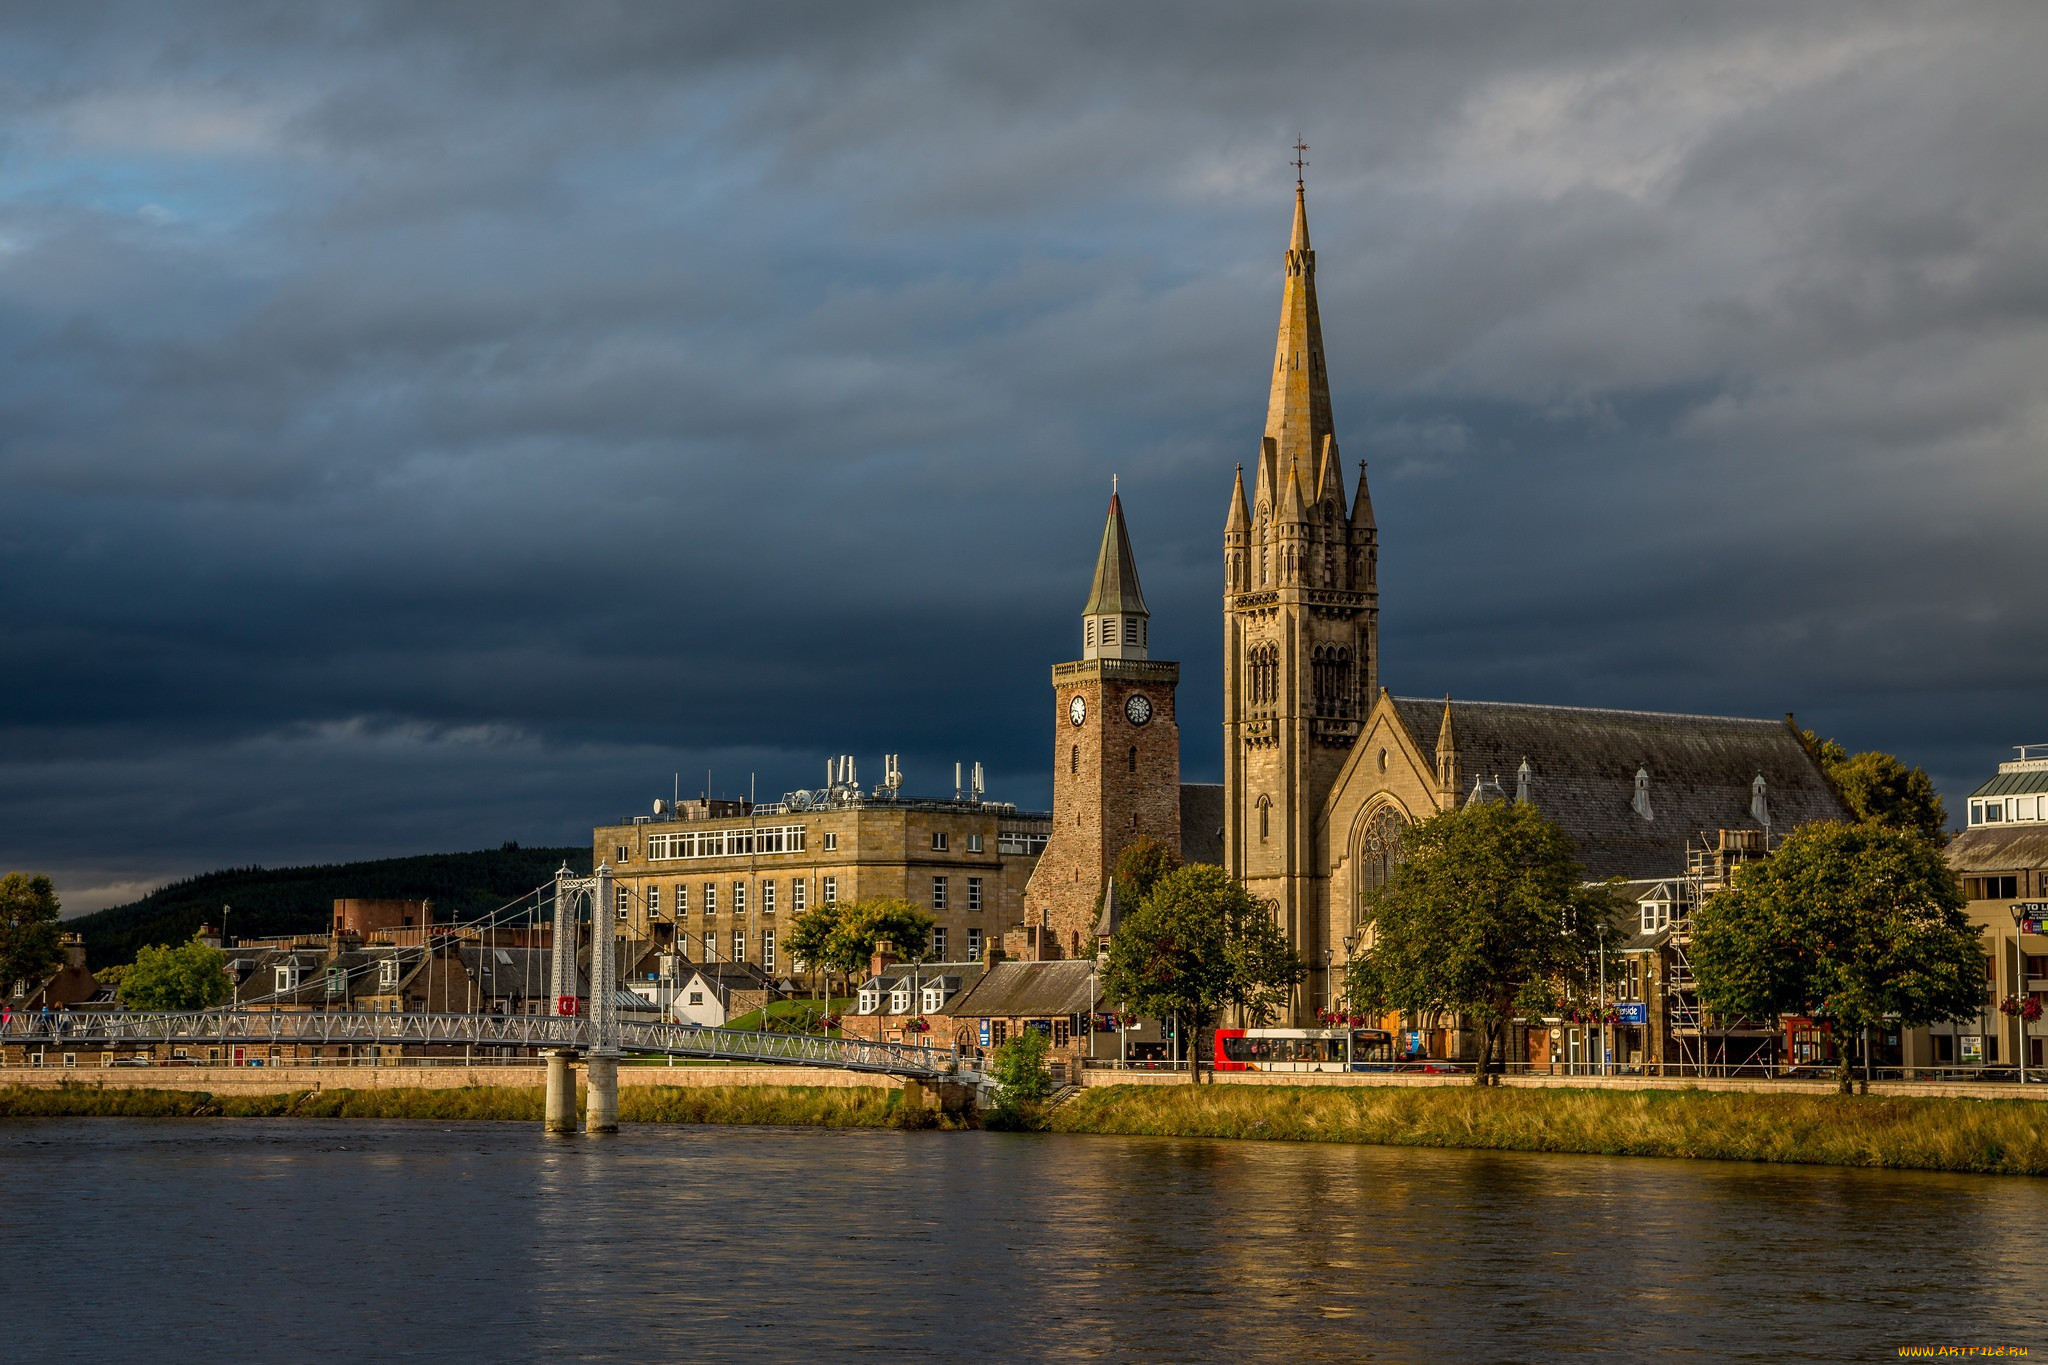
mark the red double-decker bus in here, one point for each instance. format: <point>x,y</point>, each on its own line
<point>1303,1049</point>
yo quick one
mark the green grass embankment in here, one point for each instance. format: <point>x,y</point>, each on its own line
<point>801,1106</point>
<point>2005,1137</point>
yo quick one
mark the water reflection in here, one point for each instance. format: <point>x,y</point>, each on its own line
<point>477,1240</point>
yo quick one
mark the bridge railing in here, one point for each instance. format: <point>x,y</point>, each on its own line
<point>83,1028</point>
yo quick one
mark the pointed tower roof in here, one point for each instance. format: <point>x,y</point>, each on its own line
<point>1116,591</point>
<point>1445,743</point>
<point>1292,505</point>
<point>1330,475</point>
<point>1240,511</point>
<point>1298,410</point>
<point>1361,510</point>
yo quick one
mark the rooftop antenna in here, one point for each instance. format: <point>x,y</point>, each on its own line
<point>1300,161</point>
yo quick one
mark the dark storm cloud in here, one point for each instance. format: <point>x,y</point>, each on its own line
<point>427,425</point>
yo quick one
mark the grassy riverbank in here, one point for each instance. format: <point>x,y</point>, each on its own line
<point>801,1106</point>
<point>2006,1137</point>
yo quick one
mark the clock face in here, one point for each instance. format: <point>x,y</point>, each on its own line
<point>1077,710</point>
<point>1137,708</point>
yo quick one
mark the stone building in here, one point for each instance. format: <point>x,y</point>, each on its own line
<point>719,887</point>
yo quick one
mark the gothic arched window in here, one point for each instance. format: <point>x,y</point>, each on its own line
<point>1379,851</point>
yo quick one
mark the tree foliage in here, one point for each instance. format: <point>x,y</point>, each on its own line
<point>1018,1068</point>
<point>1880,789</point>
<point>30,946</point>
<point>1140,865</point>
<point>1488,917</point>
<point>190,976</point>
<point>1853,924</point>
<point>1197,943</point>
<point>842,936</point>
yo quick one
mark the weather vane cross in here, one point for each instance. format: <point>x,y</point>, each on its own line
<point>1300,161</point>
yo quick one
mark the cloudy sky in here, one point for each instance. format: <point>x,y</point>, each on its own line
<point>428,425</point>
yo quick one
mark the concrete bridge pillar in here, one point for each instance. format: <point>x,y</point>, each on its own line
<point>561,1109</point>
<point>601,1092</point>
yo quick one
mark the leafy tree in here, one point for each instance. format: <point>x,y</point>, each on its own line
<point>1197,943</point>
<point>1852,924</point>
<point>1489,917</point>
<point>810,939</point>
<point>190,976</point>
<point>1139,866</point>
<point>1879,788</point>
<point>30,947</point>
<point>1018,1068</point>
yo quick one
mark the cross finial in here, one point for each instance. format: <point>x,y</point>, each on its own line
<point>1300,161</point>
<point>1112,485</point>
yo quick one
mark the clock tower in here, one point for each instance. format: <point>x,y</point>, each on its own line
<point>1116,755</point>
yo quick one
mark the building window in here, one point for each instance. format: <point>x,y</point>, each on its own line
<point>653,901</point>
<point>974,945</point>
<point>938,841</point>
<point>739,945</point>
<point>739,898</point>
<point>1130,630</point>
<point>767,949</point>
<point>870,999</point>
<point>831,841</point>
<point>934,996</point>
<point>625,894</point>
<point>938,893</point>
<point>831,890</point>
<point>1088,632</point>
<point>899,997</point>
<point>1133,761</point>
<point>974,893</point>
<point>682,900</point>
<point>974,843</point>
<point>387,974</point>
<point>287,978</point>
<point>619,852</point>
<point>767,898</point>
<point>797,887</point>
<point>696,997</point>
<point>939,942</point>
<point>1265,817</point>
<point>1074,760</point>
<point>710,898</point>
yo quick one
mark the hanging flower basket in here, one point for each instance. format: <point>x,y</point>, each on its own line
<point>2027,1007</point>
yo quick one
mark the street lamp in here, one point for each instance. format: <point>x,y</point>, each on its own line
<point>1601,928</point>
<point>2019,986</point>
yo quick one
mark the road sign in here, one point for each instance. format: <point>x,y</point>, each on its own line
<point>565,1004</point>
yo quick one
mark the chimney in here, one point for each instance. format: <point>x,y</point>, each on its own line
<point>208,935</point>
<point>74,951</point>
<point>884,958</point>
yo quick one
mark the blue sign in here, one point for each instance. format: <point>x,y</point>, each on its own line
<point>984,1033</point>
<point>1634,1012</point>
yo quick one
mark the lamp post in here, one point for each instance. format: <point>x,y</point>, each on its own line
<point>1602,928</point>
<point>2019,988</point>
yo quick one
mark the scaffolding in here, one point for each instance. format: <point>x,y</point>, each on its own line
<point>1699,1037</point>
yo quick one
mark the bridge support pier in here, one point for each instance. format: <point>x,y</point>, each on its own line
<point>561,1109</point>
<point>601,1095</point>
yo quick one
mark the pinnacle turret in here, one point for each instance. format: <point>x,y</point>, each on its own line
<point>1240,520</point>
<point>1298,408</point>
<point>1361,510</point>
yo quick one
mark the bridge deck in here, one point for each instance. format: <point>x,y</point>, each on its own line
<point>85,1029</point>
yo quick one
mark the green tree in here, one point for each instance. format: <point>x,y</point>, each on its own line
<point>1852,924</point>
<point>1018,1068</point>
<point>810,940</point>
<point>866,924</point>
<point>1490,917</point>
<point>190,976</point>
<point>1139,866</point>
<point>30,947</point>
<point>1198,943</point>
<point>1878,788</point>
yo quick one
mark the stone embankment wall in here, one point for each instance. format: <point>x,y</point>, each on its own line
<point>266,1080</point>
<point>1968,1090</point>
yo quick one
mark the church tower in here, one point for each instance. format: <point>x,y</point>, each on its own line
<point>1116,756</point>
<point>1300,626</point>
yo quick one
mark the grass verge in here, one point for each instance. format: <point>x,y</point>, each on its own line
<point>801,1106</point>
<point>2003,1137</point>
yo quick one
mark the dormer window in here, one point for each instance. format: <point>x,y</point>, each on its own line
<point>870,999</point>
<point>288,976</point>
<point>899,998</point>
<point>934,996</point>
<point>1642,802</point>
<point>387,974</point>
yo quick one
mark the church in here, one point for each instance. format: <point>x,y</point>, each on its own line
<point>1323,768</point>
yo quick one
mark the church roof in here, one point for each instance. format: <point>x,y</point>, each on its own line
<point>1116,591</point>
<point>1583,765</point>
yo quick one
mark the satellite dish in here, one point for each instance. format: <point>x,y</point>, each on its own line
<point>659,804</point>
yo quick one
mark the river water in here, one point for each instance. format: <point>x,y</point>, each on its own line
<point>195,1240</point>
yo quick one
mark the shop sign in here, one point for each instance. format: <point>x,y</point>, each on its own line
<point>984,1033</point>
<point>1635,1012</point>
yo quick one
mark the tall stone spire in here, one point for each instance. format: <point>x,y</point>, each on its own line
<point>1115,621</point>
<point>1298,410</point>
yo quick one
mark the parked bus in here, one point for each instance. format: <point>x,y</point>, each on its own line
<point>1303,1049</point>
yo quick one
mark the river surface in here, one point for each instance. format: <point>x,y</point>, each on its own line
<point>194,1240</point>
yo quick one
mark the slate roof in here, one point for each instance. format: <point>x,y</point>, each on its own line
<point>1999,848</point>
<point>1201,822</point>
<point>1583,766</point>
<point>521,973</point>
<point>1115,591</point>
<point>1027,990</point>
